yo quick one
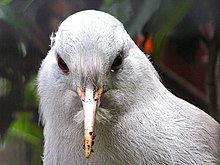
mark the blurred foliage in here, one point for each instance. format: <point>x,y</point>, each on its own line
<point>172,14</point>
<point>30,93</point>
<point>5,86</point>
<point>5,2</point>
<point>12,17</point>
<point>133,21</point>
<point>121,9</point>
<point>24,128</point>
<point>148,8</point>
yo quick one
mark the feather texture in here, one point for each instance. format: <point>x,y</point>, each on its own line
<point>138,122</point>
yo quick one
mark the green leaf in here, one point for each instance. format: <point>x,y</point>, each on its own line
<point>24,128</point>
<point>174,14</point>
<point>30,132</point>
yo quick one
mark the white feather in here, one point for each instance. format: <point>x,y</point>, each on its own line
<point>139,120</point>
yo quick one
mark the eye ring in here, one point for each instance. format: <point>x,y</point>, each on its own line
<point>118,62</point>
<point>62,65</point>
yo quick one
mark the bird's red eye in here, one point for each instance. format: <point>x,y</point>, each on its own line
<point>117,63</point>
<point>62,65</point>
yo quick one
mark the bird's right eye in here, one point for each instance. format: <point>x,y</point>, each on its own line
<point>62,65</point>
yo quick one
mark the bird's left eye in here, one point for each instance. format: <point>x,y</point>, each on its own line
<point>117,63</point>
<point>62,65</point>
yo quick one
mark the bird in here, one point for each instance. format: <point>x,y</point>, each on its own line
<point>101,101</point>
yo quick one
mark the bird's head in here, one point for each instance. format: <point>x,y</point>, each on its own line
<point>92,65</point>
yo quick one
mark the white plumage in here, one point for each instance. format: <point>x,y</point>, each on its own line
<point>138,120</point>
